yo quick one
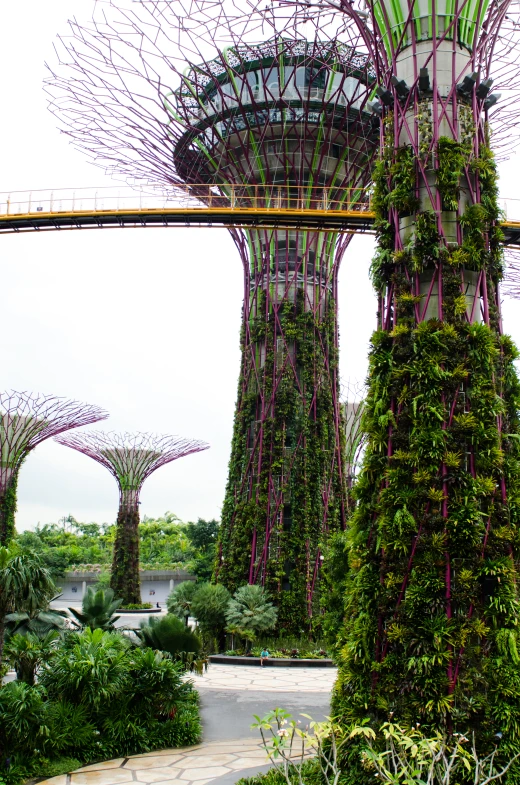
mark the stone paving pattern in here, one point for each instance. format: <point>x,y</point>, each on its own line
<point>198,765</point>
<point>248,677</point>
<point>210,760</point>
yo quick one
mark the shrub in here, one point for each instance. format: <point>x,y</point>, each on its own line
<point>23,727</point>
<point>168,634</point>
<point>209,608</point>
<point>98,608</point>
<point>180,599</point>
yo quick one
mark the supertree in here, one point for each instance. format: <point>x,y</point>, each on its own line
<point>431,620</point>
<point>131,458</point>
<point>26,420</point>
<point>153,93</point>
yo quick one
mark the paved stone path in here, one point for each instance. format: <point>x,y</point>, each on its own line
<point>230,695</point>
<point>272,680</point>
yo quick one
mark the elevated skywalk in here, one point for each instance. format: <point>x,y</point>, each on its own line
<point>269,207</point>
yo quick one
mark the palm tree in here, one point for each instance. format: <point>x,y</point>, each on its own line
<point>180,599</point>
<point>250,612</point>
<point>25,585</point>
<point>168,634</point>
<point>97,611</point>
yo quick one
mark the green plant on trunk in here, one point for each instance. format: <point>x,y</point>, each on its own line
<point>25,585</point>
<point>8,504</point>
<point>452,158</point>
<point>124,579</point>
<point>97,609</point>
<point>431,612</point>
<point>180,599</point>
<point>303,448</point>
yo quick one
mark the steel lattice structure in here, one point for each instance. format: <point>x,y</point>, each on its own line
<point>131,458</point>
<point>427,614</point>
<point>26,420</point>
<point>167,94</point>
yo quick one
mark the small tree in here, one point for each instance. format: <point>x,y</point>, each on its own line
<point>168,634</point>
<point>209,606</point>
<point>180,599</point>
<point>249,612</point>
<point>98,609</point>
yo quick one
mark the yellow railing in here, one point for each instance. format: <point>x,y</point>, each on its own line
<point>190,197</point>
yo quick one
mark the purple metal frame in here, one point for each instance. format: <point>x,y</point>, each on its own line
<point>131,457</point>
<point>458,116</point>
<point>27,419</point>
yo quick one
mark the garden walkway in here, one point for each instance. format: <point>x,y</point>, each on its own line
<point>230,695</point>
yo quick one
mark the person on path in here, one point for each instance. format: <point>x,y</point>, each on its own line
<point>264,654</point>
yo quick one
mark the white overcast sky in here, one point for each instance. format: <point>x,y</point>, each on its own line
<point>144,322</point>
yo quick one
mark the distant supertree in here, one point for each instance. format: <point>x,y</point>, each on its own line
<point>355,437</point>
<point>131,458</point>
<point>172,94</point>
<point>26,419</point>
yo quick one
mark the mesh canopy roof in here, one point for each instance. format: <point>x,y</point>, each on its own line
<point>131,457</point>
<point>26,419</point>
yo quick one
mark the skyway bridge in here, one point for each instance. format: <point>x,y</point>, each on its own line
<point>249,207</point>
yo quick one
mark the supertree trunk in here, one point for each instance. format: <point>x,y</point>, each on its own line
<point>124,579</point>
<point>8,504</point>
<point>431,623</point>
<point>286,487</point>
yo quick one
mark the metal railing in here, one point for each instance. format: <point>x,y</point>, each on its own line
<point>235,198</point>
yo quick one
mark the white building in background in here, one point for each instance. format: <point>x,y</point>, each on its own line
<point>155,584</point>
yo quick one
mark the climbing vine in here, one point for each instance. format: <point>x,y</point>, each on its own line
<point>8,504</point>
<point>124,579</point>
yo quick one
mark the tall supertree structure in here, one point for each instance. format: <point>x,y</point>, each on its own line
<point>26,420</point>
<point>431,627</point>
<point>131,458</point>
<point>281,123</point>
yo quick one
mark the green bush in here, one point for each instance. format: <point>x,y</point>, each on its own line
<point>310,775</point>
<point>97,609</point>
<point>98,697</point>
<point>209,607</point>
<point>23,726</point>
<point>137,606</point>
<point>168,634</point>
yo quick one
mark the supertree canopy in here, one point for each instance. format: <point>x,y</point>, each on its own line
<point>431,607</point>
<point>26,420</point>
<point>131,459</point>
<point>172,95</point>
